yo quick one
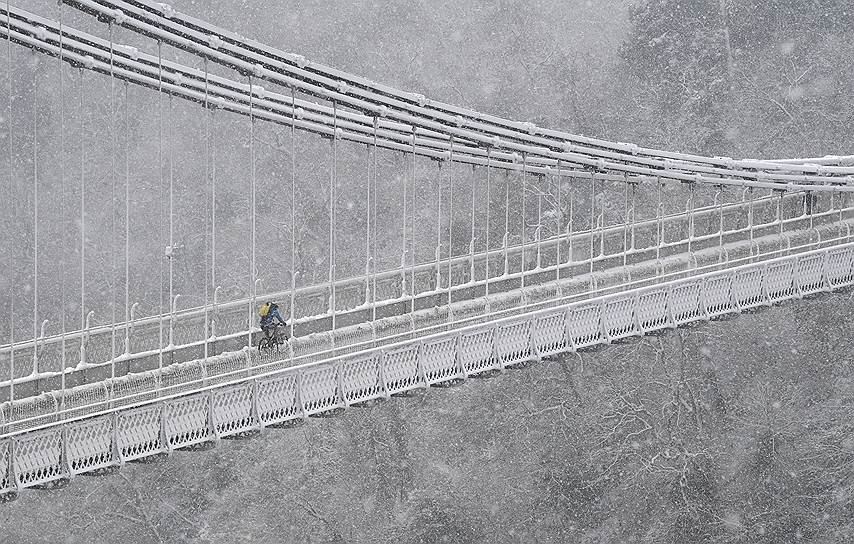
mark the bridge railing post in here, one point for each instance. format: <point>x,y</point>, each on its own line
<point>493,349</point>
<point>458,359</point>
<point>668,307</point>
<point>213,432</point>
<point>257,421</point>
<point>766,294</point>
<point>419,367</point>
<point>567,330</point>
<point>603,327</point>
<point>299,397</point>
<point>636,319</point>
<point>383,377</point>
<point>532,341</point>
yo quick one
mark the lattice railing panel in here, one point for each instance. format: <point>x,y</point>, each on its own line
<point>584,326</point>
<point>779,281</point>
<point>439,360</point>
<point>747,288</point>
<point>685,303</point>
<point>186,421</point>
<point>840,269</point>
<point>362,379</point>
<point>138,432</point>
<point>38,458</point>
<point>476,351</point>
<point>652,309</point>
<point>320,390</point>
<point>6,482</point>
<point>232,410</point>
<point>278,399</point>
<point>400,368</point>
<point>717,295</point>
<point>619,318</point>
<point>549,334</point>
<point>512,343</point>
<point>89,444</point>
<point>809,274</point>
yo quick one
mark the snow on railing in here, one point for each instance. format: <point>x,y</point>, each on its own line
<point>242,401</point>
<point>135,331</point>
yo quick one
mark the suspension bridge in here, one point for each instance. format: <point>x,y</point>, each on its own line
<point>452,243</point>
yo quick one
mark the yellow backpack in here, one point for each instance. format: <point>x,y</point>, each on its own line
<point>265,309</point>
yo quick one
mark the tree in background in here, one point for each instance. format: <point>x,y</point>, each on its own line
<point>740,77</point>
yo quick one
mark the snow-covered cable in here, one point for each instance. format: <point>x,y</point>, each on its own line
<point>160,201</point>
<point>35,218</point>
<point>11,213</point>
<point>62,213</point>
<point>113,230</point>
<point>293,212</point>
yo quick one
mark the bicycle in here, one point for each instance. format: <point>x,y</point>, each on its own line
<point>276,340</point>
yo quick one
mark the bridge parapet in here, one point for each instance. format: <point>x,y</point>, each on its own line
<point>193,410</point>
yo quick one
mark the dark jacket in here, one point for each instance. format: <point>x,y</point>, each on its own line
<point>270,319</point>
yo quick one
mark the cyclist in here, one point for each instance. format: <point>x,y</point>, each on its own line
<point>269,313</point>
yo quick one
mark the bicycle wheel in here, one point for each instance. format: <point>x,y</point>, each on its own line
<point>264,344</point>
